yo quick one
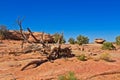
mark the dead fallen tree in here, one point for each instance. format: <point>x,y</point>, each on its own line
<point>51,52</point>
<point>54,54</point>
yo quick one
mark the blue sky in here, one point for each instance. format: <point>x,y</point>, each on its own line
<point>91,18</point>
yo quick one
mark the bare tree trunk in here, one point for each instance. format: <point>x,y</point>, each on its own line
<point>25,39</point>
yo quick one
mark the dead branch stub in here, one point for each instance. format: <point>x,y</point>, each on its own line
<point>32,35</point>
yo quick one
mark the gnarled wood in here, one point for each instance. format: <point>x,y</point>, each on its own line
<point>104,73</point>
<point>37,62</point>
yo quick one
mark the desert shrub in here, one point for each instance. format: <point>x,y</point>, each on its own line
<point>71,40</point>
<point>63,40</point>
<point>118,40</point>
<point>82,57</point>
<point>57,36</point>
<point>3,32</point>
<point>82,40</point>
<point>105,56</point>
<point>95,58</point>
<point>108,46</point>
<point>69,76</point>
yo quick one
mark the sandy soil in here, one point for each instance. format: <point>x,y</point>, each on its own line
<point>10,65</point>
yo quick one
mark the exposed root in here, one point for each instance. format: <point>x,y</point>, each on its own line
<point>102,74</point>
<point>37,62</point>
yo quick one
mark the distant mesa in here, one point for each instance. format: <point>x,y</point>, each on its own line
<point>99,41</point>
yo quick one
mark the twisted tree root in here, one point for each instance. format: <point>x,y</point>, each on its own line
<point>37,62</point>
<point>101,74</point>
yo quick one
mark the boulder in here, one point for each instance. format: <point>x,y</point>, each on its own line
<point>99,41</point>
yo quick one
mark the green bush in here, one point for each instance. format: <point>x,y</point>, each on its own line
<point>3,32</point>
<point>108,46</point>
<point>57,36</point>
<point>82,40</point>
<point>82,57</point>
<point>118,40</point>
<point>71,41</point>
<point>69,76</point>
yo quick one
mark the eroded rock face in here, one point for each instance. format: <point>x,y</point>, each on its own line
<point>99,41</point>
<point>16,35</point>
<point>40,36</point>
<point>48,38</point>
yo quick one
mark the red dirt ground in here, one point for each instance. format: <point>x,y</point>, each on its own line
<point>10,65</point>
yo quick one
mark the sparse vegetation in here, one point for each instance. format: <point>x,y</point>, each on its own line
<point>71,40</point>
<point>118,40</point>
<point>105,56</point>
<point>108,46</point>
<point>82,57</point>
<point>57,37</point>
<point>82,40</point>
<point>3,32</point>
<point>96,58</point>
<point>69,76</point>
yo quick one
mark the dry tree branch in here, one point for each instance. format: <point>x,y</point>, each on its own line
<point>32,34</point>
<point>25,39</point>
